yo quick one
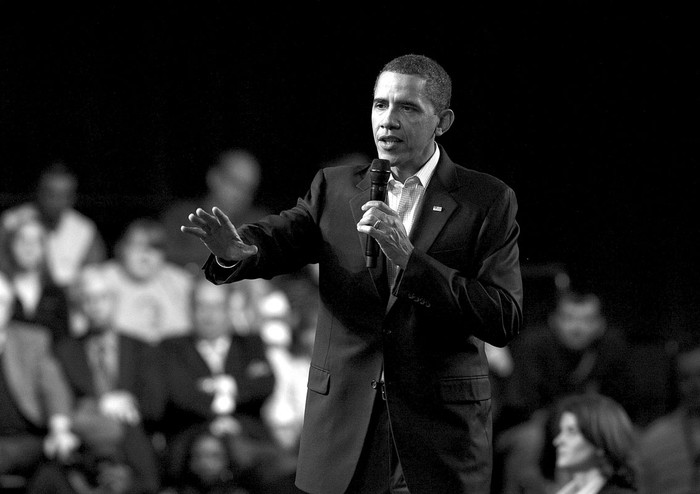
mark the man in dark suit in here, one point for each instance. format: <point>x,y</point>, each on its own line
<point>116,381</point>
<point>219,379</point>
<point>399,393</point>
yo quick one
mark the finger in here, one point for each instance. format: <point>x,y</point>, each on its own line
<point>222,218</point>
<point>206,217</point>
<point>379,205</point>
<point>191,230</point>
<point>196,222</point>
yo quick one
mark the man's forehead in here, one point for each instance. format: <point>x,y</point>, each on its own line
<point>94,285</point>
<point>399,84</point>
<point>58,181</point>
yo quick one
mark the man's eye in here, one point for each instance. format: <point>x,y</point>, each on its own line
<point>379,105</point>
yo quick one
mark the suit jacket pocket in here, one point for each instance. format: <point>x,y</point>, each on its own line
<point>454,258</point>
<point>319,380</point>
<point>465,389</point>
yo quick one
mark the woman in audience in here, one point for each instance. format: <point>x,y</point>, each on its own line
<point>206,467</point>
<point>38,299</point>
<point>594,446</point>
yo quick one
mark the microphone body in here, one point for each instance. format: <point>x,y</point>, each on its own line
<point>379,173</point>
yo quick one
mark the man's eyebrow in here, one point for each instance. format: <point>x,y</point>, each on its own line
<point>403,102</point>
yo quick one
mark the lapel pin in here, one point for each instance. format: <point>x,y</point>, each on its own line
<point>437,208</point>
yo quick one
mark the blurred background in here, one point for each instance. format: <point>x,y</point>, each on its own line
<point>590,114</point>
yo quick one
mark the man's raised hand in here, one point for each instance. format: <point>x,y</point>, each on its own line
<point>219,235</point>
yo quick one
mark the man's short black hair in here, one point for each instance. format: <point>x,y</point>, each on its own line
<point>438,87</point>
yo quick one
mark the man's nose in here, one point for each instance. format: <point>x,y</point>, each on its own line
<point>390,120</point>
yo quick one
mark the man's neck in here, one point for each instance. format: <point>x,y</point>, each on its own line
<point>403,172</point>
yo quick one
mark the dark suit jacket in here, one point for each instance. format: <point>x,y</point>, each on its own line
<point>614,489</point>
<point>138,372</point>
<point>187,405</point>
<point>462,286</point>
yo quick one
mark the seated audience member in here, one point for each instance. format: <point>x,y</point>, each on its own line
<point>73,239</point>
<point>220,378</point>
<point>232,183</point>
<point>286,330</point>
<point>594,446</point>
<point>576,352</point>
<point>38,299</point>
<point>153,294</point>
<point>207,466</point>
<point>115,379</point>
<point>94,475</point>
<point>669,448</point>
<point>35,400</point>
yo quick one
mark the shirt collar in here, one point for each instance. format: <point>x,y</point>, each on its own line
<point>426,171</point>
<point>219,343</point>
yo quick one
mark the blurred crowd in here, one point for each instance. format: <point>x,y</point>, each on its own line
<point>129,373</point>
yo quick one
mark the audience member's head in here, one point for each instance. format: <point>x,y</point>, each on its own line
<point>234,179</point>
<point>209,459</point>
<point>141,249</point>
<point>205,464</point>
<point>687,360</point>
<point>595,434</point>
<point>210,309</point>
<point>56,192</point>
<point>578,320</point>
<point>94,298</point>
<point>24,247</point>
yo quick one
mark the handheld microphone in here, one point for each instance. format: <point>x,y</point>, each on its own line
<point>379,173</point>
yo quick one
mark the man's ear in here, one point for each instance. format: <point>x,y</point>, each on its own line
<point>446,118</point>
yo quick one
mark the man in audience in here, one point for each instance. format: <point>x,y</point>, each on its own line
<point>116,381</point>
<point>575,352</point>
<point>220,378</point>
<point>669,448</point>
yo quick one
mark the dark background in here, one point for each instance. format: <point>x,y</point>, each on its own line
<point>589,114</point>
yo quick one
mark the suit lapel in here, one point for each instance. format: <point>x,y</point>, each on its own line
<point>436,208</point>
<point>194,359</point>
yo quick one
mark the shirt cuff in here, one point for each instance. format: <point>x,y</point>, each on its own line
<point>225,265</point>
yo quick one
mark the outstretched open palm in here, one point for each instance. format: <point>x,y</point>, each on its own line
<point>219,235</point>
